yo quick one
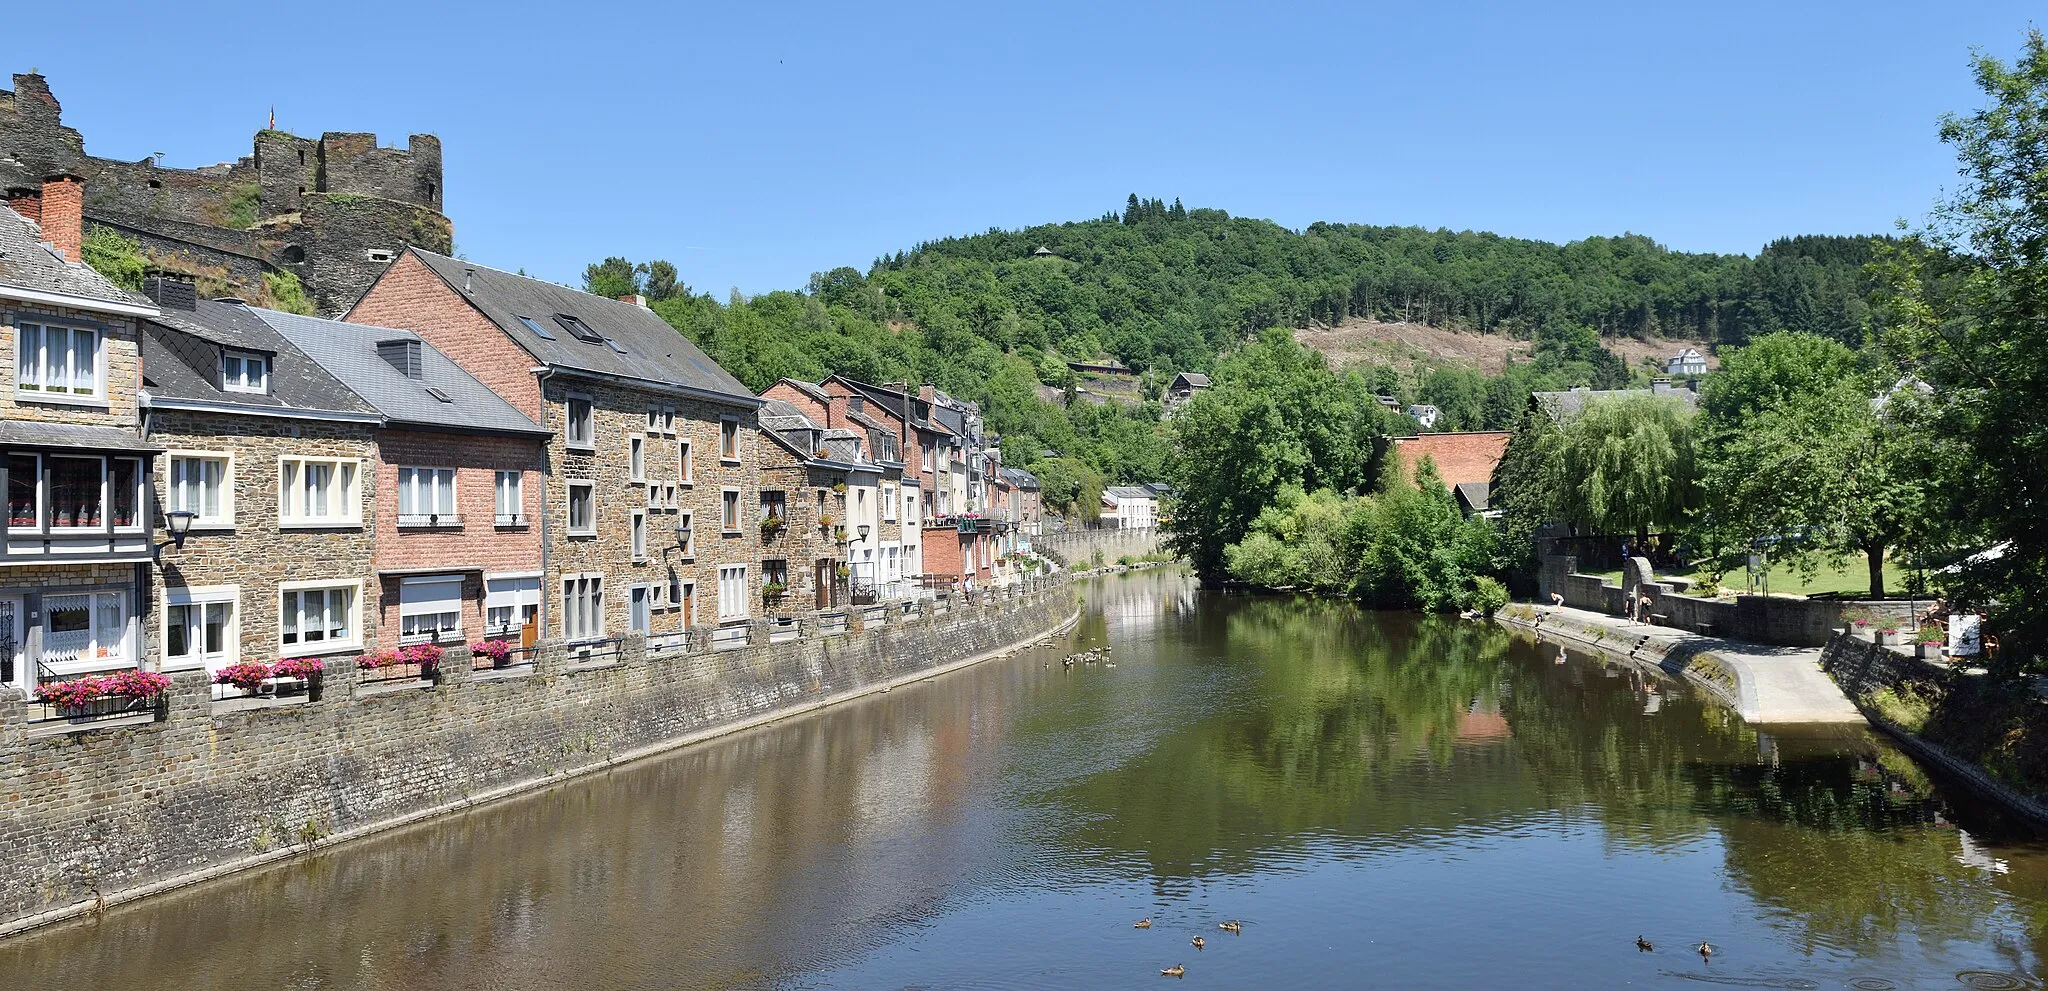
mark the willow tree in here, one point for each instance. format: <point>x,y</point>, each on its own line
<point>1624,464</point>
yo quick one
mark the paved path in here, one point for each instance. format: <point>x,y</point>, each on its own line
<point>1764,684</point>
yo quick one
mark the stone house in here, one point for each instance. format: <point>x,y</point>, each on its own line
<point>1183,388</point>
<point>74,564</point>
<point>272,457</point>
<point>457,471</point>
<point>647,507</point>
<point>804,486</point>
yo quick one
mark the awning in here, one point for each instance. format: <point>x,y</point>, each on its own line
<point>72,436</point>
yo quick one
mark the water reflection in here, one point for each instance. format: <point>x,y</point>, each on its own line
<point>1431,802</point>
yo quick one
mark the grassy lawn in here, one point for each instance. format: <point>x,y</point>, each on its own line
<point>1850,575</point>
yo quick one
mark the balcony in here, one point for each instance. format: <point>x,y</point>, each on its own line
<point>430,521</point>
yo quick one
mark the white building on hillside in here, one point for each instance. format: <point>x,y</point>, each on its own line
<point>1687,362</point>
<point>1133,507</point>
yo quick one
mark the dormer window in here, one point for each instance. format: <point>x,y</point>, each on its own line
<point>245,371</point>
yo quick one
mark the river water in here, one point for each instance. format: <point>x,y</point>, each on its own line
<point>1382,799</point>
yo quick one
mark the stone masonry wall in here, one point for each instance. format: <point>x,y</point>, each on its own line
<point>108,811</point>
<point>1771,619</point>
<point>123,369</point>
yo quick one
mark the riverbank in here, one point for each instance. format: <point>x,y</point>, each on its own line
<point>1763,684</point>
<point>96,817</point>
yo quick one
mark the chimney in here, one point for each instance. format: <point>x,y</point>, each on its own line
<point>927,392</point>
<point>634,298</point>
<point>171,292</point>
<point>63,216</point>
<point>1660,386</point>
<point>27,202</point>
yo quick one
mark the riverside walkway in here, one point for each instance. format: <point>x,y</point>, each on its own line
<point>1762,683</point>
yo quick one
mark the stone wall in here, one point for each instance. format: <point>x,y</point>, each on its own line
<point>118,812</point>
<point>1076,547</point>
<point>1863,666</point>
<point>1771,619</point>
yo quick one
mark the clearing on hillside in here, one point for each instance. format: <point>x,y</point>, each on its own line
<point>1404,345</point>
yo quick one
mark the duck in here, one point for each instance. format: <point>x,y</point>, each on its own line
<point>1231,926</point>
<point>1643,945</point>
<point>1705,950</point>
<point>1174,971</point>
<point>1142,924</point>
<point>1199,942</point>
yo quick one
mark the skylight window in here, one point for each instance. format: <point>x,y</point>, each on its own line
<point>581,330</point>
<point>614,345</point>
<point>438,394</point>
<point>538,331</point>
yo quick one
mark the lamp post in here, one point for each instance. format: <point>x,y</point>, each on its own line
<point>178,523</point>
<point>682,537</point>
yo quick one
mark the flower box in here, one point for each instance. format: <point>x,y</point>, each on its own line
<point>1887,637</point>
<point>103,695</point>
<point>499,651</point>
<point>1928,651</point>
<point>774,590</point>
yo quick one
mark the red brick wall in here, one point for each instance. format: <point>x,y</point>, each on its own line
<point>409,296</point>
<point>63,216</point>
<point>479,544</point>
<point>802,401</point>
<point>28,203</point>
<point>1460,457</point>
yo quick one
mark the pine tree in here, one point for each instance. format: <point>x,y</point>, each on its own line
<point>1132,210</point>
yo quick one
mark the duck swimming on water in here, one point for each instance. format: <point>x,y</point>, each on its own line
<point>1199,942</point>
<point>1174,971</point>
<point>1142,924</point>
<point>1231,926</point>
<point>1643,945</point>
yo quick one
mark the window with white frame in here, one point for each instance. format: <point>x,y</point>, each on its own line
<point>583,607</point>
<point>729,510</point>
<point>639,608</point>
<point>636,458</point>
<point>510,505</point>
<point>638,533</point>
<point>579,422</point>
<point>53,360</point>
<point>728,439</point>
<point>889,503</point>
<point>582,509</point>
<point>927,457</point>
<point>202,484</point>
<point>510,602</point>
<point>686,535</point>
<point>732,592</point>
<point>200,628</point>
<point>425,493</point>
<point>318,492</point>
<point>686,465</point>
<point>430,608</point>
<point>87,631</point>
<point>910,507</point>
<point>244,371</point>
<point>318,615</point>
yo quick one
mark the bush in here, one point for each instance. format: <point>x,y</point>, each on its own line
<point>1488,595</point>
<point>1902,708</point>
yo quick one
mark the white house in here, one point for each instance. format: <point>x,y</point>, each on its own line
<point>1687,362</point>
<point>1425,414</point>
<point>1133,507</point>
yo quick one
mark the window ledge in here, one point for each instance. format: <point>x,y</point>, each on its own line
<point>52,399</point>
<point>336,525</point>
<point>318,650</point>
<point>582,534</point>
<point>511,522</point>
<point>580,448</point>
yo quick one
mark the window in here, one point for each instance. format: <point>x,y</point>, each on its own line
<point>199,627</point>
<point>243,371</point>
<point>538,331</point>
<point>57,361</point>
<point>653,419</point>
<point>511,500</point>
<point>86,631</point>
<point>24,491</point>
<point>575,326</point>
<point>889,503</point>
<point>910,506</point>
<point>638,609</point>
<point>430,608</point>
<point>772,504</point>
<point>668,420</point>
<point>317,615</point>
<point>729,517</point>
<point>426,493</point>
<point>583,607</point>
<point>317,492</point>
<point>775,573</point>
<point>579,424</point>
<point>379,254</point>
<point>75,493</point>
<point>686,466</point>
<point>639,534</point>
<point>686,538</point>
<point>728,439</point>
<point>636,458</point>
<point>928,458</point>
<point>582,509</point>
<point>199,484</point>
<point>124,491</point>
<point>732,592</point>
<point>510,603</point>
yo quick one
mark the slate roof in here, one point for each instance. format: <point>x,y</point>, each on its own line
<point>348,351</point>
<point>1195,380</point>
<point>181,360</point>
<point>36,433</point>
<point>1474,495</point>
<point>1129,492</point>
<point>654,350</point>
<point>846,447</point>
<point>26,264</point>
<point>1565,406</point>
<point>896,403</point>
<point>1021,478</point>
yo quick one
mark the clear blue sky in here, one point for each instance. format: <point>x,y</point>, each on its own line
<point>755,143</point>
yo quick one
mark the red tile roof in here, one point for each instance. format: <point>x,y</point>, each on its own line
<point>1459,457</point>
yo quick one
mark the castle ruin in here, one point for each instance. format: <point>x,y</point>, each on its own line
<point>334,211</point>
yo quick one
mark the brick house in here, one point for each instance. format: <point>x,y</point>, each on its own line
<point>271,455</point>
<point>646,509</point>
<point>74,565</point>
<point>887,559</point>
<point>808,476</point>
<point>1465,460</point>
<point>457,472</point>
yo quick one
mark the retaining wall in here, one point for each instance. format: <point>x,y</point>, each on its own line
<point>120,812</point>
<point>1771,619</point>
<point>1076,548</point>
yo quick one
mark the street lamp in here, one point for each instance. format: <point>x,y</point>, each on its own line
<point>178,523</point>
<point>863,528</point>
<point>682,536</point>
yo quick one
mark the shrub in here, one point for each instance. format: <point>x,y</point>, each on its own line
<point>1931,634</point>
<point>1901,707</point>
<point>1488,595</point>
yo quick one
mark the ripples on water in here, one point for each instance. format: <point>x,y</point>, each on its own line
<point>1382,799</point>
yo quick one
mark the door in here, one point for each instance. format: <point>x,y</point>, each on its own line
<point>13,666</point>
<point>822,575</point>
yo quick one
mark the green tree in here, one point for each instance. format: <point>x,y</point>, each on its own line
<point>658,280</point>
<point>1624,465</point>
<point>611,278</point>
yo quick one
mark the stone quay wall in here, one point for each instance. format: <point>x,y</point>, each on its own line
<point>95,816</point>
<point>1075,547</point>
<point>1771,619</point>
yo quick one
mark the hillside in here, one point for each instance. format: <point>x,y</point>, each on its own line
<point>1404,346</point>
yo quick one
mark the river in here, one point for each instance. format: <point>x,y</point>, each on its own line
<point>1381,799</point>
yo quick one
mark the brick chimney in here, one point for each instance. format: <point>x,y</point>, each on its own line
<point>64,215</point>
<point>634,298</point>
<point>27,202</point>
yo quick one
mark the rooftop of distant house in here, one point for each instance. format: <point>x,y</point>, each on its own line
<point>1459,457</point>
<point>1564,406</point>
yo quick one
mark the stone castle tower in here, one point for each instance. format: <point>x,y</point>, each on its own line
<point>332,210</point>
